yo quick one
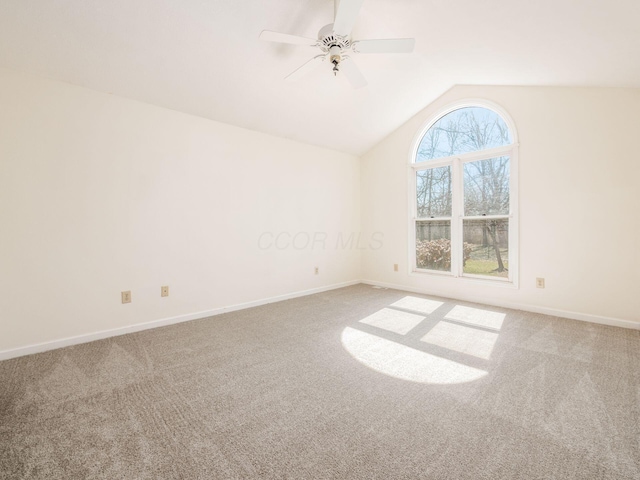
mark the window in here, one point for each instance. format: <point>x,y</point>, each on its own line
<point>463,195</point>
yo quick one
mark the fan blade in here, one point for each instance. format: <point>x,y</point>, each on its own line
<point>286,38</point>
<point>304,69</point>
<point>353,73</point>
<point>346,16</point>
<point>391,45</point>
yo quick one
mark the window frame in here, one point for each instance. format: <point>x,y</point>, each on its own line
<point>456,162</point>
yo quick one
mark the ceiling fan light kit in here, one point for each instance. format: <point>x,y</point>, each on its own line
<point>335,43</point>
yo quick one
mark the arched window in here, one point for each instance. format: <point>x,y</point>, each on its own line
<point>463,194</point>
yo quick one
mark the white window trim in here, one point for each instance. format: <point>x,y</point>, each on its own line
<point>456,163</point>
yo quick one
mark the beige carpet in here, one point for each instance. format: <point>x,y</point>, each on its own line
<point>356,383</point>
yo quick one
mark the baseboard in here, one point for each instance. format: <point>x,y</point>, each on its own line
<point>90,337</point>
<point>585,317</point>
<point>114,332</point>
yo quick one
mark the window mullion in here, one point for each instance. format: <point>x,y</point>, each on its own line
<point>486,217</point>
<point>413,208</point>
<point>456,218</point>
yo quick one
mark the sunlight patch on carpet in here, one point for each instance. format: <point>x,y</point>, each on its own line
<point>468,340</point>
<point>406,363</point>
<point>393,320</point>
<point>476,316</point>
<point>421,305</point>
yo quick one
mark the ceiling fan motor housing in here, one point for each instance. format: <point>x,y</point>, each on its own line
<point>328,39</point>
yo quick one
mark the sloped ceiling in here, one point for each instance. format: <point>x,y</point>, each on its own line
<point>203,57</point>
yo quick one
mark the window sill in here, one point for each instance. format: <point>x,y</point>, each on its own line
<point>477,280</point>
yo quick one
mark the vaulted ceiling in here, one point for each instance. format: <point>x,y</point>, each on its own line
<point>203,57</point>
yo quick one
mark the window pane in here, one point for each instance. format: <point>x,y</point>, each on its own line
<point>433,191</point>
<point>433,245</point>
<point>486,187</point>
<point>465,130</point>
<point>486,247</point>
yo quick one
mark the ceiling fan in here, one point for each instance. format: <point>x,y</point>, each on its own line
<point>335,43</point>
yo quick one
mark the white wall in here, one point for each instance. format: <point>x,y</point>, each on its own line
<point>579,203</point>
<point>100,194</point>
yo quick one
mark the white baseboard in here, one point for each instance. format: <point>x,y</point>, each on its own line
<point>90,337</point>
<point>114,332</point>
<point>585,317</point>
